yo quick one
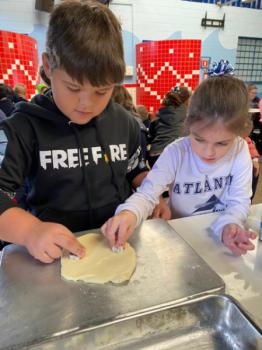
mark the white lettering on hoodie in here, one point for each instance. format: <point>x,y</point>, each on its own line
<point>71,157</point>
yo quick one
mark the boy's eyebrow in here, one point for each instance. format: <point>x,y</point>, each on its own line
<point>70,83</point>
<point>108,87</point>
<point>79,85</point>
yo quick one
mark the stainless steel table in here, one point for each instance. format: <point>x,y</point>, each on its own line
<point>37,305</point>
<point>242,275</point>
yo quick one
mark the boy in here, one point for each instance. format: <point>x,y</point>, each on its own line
<point>19,93</point>
<point>68,144</point>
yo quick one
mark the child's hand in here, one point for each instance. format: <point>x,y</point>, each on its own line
<point>118,228</point>
<point>255,168</point>
<point>47,241</point>
<point>162,210</point>
<point>238,239</point>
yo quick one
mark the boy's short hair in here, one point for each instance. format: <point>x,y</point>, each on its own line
<point>20,89</point>
<point>85,39</point>
<point>43,76</point>
<point>221,98</point>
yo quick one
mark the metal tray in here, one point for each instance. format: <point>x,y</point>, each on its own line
<point>37,305</point>
<point>212,322</point>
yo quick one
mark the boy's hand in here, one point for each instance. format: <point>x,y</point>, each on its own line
<point>162,210</point>
<point>238,239</point>
<point>47,241</point>
<point>118,228</point>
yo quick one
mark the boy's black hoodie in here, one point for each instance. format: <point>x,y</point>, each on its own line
<point>78,173</point>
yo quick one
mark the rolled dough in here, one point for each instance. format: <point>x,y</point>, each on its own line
<point>100,265</point>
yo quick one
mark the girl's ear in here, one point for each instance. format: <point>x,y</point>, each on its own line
<point>46,65</point>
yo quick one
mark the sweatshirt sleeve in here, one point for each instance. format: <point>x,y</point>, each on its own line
<point>238,198</point>
<point>136,162</point>
<point>144,200</point>
<point>12,164</point>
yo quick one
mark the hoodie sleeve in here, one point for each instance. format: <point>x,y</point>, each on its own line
<point>136,162</point>
<point>13,164</point>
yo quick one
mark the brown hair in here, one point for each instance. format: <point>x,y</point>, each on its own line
<point>222,98</point>
<point>176,96</point>
<point>43,76</point>
<point>251,86</point>
<point>122,96</point>
<point>20,89</point>
<point>142,112</point>
<point>84,39</point>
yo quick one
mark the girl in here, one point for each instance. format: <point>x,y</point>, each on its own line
<point>210,170</point>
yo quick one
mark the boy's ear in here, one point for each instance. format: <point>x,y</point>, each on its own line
<point>46,65</point>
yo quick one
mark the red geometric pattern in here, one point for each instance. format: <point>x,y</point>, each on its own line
<point>19,61</point>
<point>162,65</point>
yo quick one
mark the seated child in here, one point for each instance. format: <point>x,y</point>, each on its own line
<point>210,170</point>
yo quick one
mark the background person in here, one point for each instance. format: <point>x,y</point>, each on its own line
<point>6,103</point>
<point>122,96</point>
<point>169,122</point>
<point>256,134</point>
<point>19,93</point>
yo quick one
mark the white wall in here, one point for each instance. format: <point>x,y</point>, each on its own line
<point>152,20</point>
<point>176,19</point>
<point>17,15</point>
<point>158,20</point>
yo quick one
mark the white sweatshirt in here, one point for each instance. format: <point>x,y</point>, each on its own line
<point>196,187</point>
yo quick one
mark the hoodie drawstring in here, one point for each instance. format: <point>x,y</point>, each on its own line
<point>104,147</point>
<point>80,147</point>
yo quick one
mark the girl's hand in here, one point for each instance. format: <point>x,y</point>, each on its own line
<point>238,239</point>
<point>47,241</point>
<point>118,228</point>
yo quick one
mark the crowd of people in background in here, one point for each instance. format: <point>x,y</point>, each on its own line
<point>9,97</point>
<point>157,131</point>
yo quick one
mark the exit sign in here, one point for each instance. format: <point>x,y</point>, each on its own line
<point>205,62</point>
